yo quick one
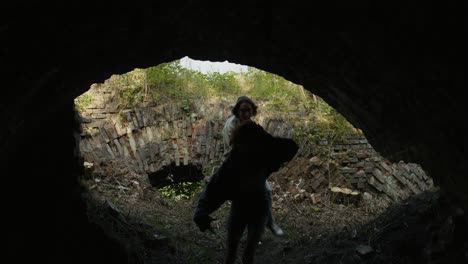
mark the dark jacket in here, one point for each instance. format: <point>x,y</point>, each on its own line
<point>243,173</point>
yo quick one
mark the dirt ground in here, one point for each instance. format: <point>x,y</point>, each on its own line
<point>427,228</point>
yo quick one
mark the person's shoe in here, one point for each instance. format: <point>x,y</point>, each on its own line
<point>276,230</point>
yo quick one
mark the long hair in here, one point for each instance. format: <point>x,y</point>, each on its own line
<point>240,100</point>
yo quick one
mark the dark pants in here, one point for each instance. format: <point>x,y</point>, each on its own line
<point>247,213</point>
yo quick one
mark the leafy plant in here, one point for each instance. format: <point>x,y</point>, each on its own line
<point>83,101</point>
<point>180,191</point>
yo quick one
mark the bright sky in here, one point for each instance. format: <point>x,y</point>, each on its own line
<point>209,66</point>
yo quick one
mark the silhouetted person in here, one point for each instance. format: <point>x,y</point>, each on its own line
<point>244,110</point>
<point>241,178</point>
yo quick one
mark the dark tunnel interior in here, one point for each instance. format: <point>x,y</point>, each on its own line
<point>172,174</point>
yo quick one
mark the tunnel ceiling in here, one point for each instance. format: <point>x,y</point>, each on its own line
<point>396,73</point>
<point>390,73</point>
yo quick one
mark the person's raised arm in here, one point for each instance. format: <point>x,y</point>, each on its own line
<point>229,126</point>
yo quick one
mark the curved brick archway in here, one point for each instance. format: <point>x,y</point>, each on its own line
<point>388,72</point>
<point>172,174</point>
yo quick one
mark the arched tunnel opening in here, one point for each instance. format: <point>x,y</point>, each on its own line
<point>338,194</point>
<point>172,175</point>
<point>388,71</point>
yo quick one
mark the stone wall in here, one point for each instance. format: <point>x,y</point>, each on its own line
<point>149,137</point>
<point>148,143</point>
<point>364,167</point>
<point>355,164</point>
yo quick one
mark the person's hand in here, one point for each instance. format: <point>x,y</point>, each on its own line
<point>204,222</point>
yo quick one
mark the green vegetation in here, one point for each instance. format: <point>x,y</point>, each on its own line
<point>179,191</point>
<point>170,82</point>
<point>317,126</point>
<point>83,101</point>
<point>275,91</point>
<point>321,128</point>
